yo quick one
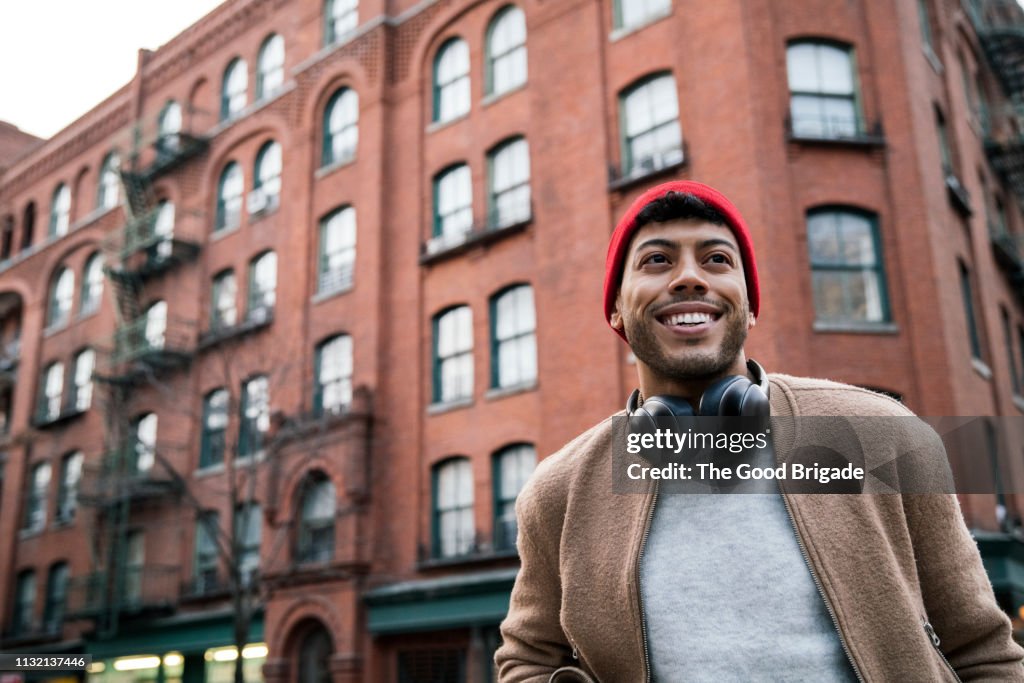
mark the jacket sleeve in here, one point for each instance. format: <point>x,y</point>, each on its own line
<point>974,634</point>
<point>533,644</point>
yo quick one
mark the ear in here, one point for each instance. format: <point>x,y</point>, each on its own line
<point>751,321</point>
<point>616,318</point>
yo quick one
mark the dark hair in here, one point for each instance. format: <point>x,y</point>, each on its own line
<point>678,205</point>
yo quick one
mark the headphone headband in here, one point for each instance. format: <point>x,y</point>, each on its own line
<point>734,395</point>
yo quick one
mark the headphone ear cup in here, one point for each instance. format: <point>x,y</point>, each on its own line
<point>754,403</point>
<point>667,406</point>
<point>723,395</point>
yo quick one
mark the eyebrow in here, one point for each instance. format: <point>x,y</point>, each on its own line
<point>669,244</point>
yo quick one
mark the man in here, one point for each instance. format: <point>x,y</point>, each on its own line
<point>773,587</point>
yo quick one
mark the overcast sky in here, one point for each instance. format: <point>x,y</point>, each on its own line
<point>60,58</point>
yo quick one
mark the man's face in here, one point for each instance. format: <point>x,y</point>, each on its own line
<point>683,300</point>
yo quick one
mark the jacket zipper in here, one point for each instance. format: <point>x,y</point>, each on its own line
<point>935,642</point>
<point>639,593</point>
<point>821,591</point>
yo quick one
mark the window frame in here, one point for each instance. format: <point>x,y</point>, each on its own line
<point>521,214</point>
<point>38,491</point>
<point>23,617</point>
<point>60,211</point>
<point>108,191</point>
<point>618,20</point>
<point>343,381</point>
<point>967,296</point>
<point>55,601</point>
<point>260,300</point>
<point>67,491</point>
<point>223,317</point>
<point>505,521</point>
<point>206,555</point>
<point>494,304</point>
<point>439,219</point>
<point>492,59</point>
<point>458,508</point>
<point>331,34</point>
<point>273,199</point>
<point>439,397</point>
<point>91,295</point>
<point>250,434</point>
<point>327,153</point>
<point>262,72</point>
<point>221,224</point>
<point>333,280</point>
<point>80,398</point>
<point>854,97</point>
<point>229,109</point>
<point>213,440</point>
<point>632,166</point>
<point>872,219</point>
<point>307,548</point>
<point>453,84</point>
<point>50,405</point>
<point>60,304</point>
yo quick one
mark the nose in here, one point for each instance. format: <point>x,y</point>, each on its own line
<point>688,278</point>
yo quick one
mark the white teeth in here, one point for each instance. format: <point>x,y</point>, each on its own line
<point>688,318</point>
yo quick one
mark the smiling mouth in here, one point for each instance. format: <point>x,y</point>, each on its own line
<point>688,320</point>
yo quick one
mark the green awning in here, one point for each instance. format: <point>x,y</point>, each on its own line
<point>181,633</point>
<point>465,600</point>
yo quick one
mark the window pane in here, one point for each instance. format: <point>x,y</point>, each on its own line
<point>452,80</point>
<point>268,171</point>
<point>264,282</point>
<point>84,364</point>
<point>836,75</point>
<point>342,127</point>
<point>230,200</point>
<point>271,65</point>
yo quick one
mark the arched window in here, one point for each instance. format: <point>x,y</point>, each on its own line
<point>144,438</point>
<point>262,286</point>
<point>453,355</point>
<point>651,136</point>
<point>315,656</point>
<point>513,465</point>
<point>60,211</point>
<point>847,270</point>
<point>169,128</point>
<point>215,424</point>
<point>451,80</point>
<point>92,285</point>
<point>270,66</point>
<point>81,397</point>
<point>453,206</point>
<point>506,51</point>
<point>513,338</point>
<point>823,93</point>
<point>229,197</point>
<point>56,595</point>
<point>62,294</point>
<point>51,393</point>
<point>110,182</point>
<point>333,371</point>
<point>234,89</point>
<point>28,226</point>
<point>341,17</point>
<point>509,195</point>
<point>7,238</point>
<point>317,506</point>
<point>267,179</point>
<point>248,530</point>
<point>337,250</point>
<point>341,127</point>
<point>454,528</point>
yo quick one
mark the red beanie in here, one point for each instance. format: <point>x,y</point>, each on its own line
<point>627,226</point>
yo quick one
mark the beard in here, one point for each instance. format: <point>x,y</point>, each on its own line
<point>688,365</point>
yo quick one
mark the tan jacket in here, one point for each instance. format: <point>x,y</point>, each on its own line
<point>900,574</point>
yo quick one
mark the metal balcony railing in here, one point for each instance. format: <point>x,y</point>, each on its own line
<point>143,248</point>
<point>1000,28</point>
<point>126,473</point>
<point>133,589</point>
<point>146,346</point>
<point>834,128</point>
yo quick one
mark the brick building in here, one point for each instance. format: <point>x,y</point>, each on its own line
<point>287,320</point>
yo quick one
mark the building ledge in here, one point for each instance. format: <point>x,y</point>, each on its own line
<point>981,368</point>
<point>862,141</point>
<point>476,238</point>
<point>666,164</point>
<point>448,406</point>
<point>856,328</point>
<point>222,335</point>
<point>502,392</point>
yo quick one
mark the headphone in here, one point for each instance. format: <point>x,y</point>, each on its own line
<point>733,396</point>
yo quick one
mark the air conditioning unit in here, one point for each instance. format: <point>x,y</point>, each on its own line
<point>257,201</point>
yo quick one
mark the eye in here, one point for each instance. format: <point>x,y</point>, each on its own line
<point>720,258</point>
<point>654,258</point>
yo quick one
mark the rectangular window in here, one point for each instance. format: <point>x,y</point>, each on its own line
<point>134,565</point>
<point>333,393</point>
<point>510,185</point>
<point>1011,357</point>
<point>215,423</point>
<point>337,251</point>
<point>453,355</point>
<point>25,603</point>
<point>823,91</point>
<point>454,527</point>
<point>52,393</point>
<point>222,308</point>
<point>514,350</point>
<point>453,206</point>
<point>631,13</point>
<point>67,496</point>
<point>262,287</point>
<point>926,25</point>
<point>966,291</point>
<point>84,363</point>
<point>205,567</point>
<point>248,529</point>
<point>56,597</point>
<point>35,497</point>
<point>255,419</point>
<point>847,271</point>
<point>512,467</point>
<point>945,150</point>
